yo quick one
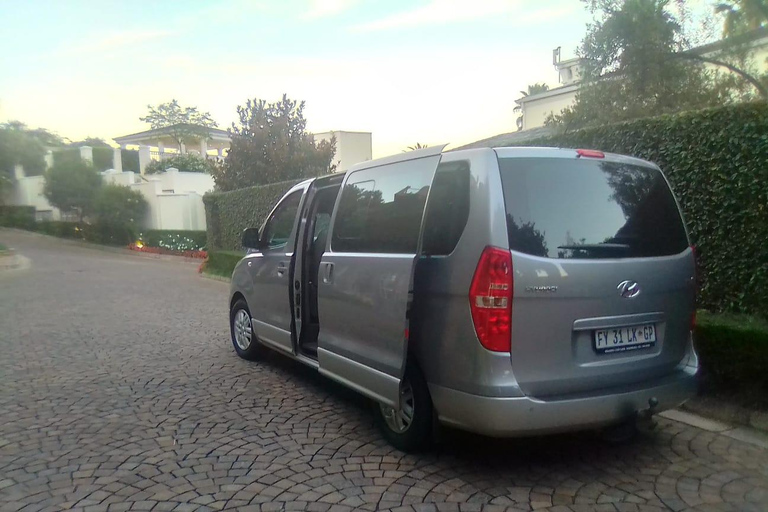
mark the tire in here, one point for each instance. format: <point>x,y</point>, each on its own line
<point>417,435</point>
<point>242,333</point>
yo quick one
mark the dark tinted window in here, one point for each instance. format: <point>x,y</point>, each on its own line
<point>448,209</point>
<point>588,208</point>
<point>381,210</point>
<point>278,229</point>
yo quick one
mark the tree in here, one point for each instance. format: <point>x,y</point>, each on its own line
<point>534,89</point>
<point>186,124</point>
<point>21,146</point>
<point>94,142</point>
<point>636,64</point>
<point>118,210</point>
<point>416,146</point>
<point>743,16</point>
<point>184,163</point>
<point>71,186</point>
<point>270,144</point>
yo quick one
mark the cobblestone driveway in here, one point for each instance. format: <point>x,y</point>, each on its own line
<point>119,389</point>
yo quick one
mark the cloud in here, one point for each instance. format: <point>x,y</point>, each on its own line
<point>324,8</point>
<point>443,12</point>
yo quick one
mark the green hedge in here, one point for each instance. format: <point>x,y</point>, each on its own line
<point>733,352</point>
<point>102,158</point>
<point>66,155</point>
<point>130,160</point>
<point>22,217</point>
<point>97,233</point>
<point>174,240</point>
<point>222,263</point>
<point>717,162</point>
<point>227,214</point>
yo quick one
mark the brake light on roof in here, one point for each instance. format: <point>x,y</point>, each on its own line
<point>589,153</point>
<point>490,299</point>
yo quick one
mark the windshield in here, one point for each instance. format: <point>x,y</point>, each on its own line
<point>584,209</point>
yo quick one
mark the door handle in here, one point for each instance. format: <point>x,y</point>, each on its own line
<point>281,268</point>
<point>328,273</point>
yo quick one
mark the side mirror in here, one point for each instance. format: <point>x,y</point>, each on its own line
<point>251,238</point>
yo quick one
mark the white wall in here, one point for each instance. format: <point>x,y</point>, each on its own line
<point>535,111</point>
<point>28,191</point>
<point>181,182</point>
<point>351,147</point>
<point>171,210</point>
<point>175,199</point>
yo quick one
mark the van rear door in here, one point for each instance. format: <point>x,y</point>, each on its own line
<point>366,275</point>
<point>603,272</point>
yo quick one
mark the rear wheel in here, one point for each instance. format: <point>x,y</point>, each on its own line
<point>243,335</point>
<point>408,427</point>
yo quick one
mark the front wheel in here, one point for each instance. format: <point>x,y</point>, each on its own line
<point>243,335</point>
<point>409,427</point>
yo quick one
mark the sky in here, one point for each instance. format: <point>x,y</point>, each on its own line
<point>426,71</point>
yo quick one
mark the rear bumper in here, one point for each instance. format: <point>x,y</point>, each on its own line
<point>519,416</point>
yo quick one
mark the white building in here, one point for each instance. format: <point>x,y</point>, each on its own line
<point>537,107</point>
<point>175,198</point>
<point>351,147</point>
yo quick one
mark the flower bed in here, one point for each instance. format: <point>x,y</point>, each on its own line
<point>140,247</point>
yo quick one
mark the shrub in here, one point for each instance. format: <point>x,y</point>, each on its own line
<point>117,210</point>
<point>184,163</point>
<point>227,214</point>
<point>71,185</point>
<point>63,229</point>
<point>733,352</point>
<point>66,155</point>
<point>22,217</point>
<point>221,263</point>
<point>174,240</point>
<point>717,163</point>
<point>130,160</point>
<point>102,158</point>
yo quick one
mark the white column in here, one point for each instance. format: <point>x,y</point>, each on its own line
<point>161,149</point>
<point>203,147</point>
<point>86,154</point>
<point>48,159</point>
<point>18,171</point>
<point>183,149</point>
<point>117,160</point>
<point>221,152</point>
<point>144,158</point>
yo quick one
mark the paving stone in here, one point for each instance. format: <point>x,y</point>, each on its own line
<point>120,390</point>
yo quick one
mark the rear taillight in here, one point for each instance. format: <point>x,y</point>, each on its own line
<point>693,320</point>
<point>589,153</point>
<point>490,299</point>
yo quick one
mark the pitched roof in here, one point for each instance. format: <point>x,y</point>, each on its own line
<point>510,139</point>
<point>213,133</point>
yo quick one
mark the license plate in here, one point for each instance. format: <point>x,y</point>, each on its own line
<point>623,339</point>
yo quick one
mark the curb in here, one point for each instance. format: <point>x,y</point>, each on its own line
<point>112,249</point>
<point>215,277</point>
<point>726,412</point>
<point>746,434</point>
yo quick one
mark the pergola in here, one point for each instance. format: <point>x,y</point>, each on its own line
<point>201,138</point>
<point>161,143</point>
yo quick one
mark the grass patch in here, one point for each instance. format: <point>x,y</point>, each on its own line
<point>222,263</point>
<point>733,351</point>
<point>3,248</point>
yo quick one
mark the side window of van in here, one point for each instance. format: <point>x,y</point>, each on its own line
<point>280,225</point>
<point>380,211</point>
<point>448,208</point>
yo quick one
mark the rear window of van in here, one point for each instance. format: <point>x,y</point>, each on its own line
<point>586,209</point>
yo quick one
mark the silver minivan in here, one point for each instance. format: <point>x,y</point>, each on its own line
<point>508,291</point>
